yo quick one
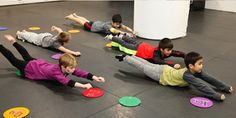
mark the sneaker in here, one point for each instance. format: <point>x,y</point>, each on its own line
<point>120,57</point>
<point>108,37</point>
<point>109,45</point>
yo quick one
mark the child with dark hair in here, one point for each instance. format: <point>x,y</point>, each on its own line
<point>100,26</point>
<point>156,55</point>
<point>47,40</point>
<point>39,69</point>
<point>192,75</point>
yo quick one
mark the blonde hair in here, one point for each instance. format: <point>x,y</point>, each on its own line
<point>64,37</point>
<point>67,60</point>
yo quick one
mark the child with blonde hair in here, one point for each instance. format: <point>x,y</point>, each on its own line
<point>39,69</point>
<point>47,40</point>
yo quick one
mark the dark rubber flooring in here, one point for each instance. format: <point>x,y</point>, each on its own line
<point>211,33</point>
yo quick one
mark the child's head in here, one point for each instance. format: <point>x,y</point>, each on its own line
<point>166,46</point>
<point>67,63</point>
<point>64,37</point>
<point>116,21</point>
<point>194,62</point>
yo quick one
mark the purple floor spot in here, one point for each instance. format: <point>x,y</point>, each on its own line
<point>56,56</point>
<point>3,28</point>
<point>201,102</point>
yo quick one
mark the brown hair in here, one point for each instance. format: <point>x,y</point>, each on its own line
<point>192,58</point>
<point>64,37</point>
<point>165,43</point>
<point>67,60</point>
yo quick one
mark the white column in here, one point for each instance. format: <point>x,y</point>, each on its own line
<point>158,19</point>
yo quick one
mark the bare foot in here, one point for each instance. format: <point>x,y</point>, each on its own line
<point>69,16</point>
<point>18,32</point>
<point>74,14</point>
<point>10,38</point>
<point>222,97</point>
<point>231,89</point>
<point>24,31</point>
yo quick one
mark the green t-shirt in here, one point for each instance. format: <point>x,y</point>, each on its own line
<point>172,76</point>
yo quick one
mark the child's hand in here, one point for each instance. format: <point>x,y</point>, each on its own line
<point>128,34</point>
<point>222,97</point>
<point>134,34</point>
<point>177,66</point>
<point>98,79</point>
<point>53,28</point>
<point>231,89</point>
<point>77,53</point>
<point>86,86</point>
<point>57,29</point>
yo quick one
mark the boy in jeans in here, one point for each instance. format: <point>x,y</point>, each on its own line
<point>192,75</point>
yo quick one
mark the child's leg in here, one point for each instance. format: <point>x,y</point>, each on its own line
<point>30,37</point>
<point>152,71</point>
<point>80,20</point>
<point>23,52</point>
<point>80,17</point>
<point>19,64</point>
<point>130,40</point>
<point>144,61</point>
<point>25,55</point>
<point>125,43</point>
<point>211,80</point>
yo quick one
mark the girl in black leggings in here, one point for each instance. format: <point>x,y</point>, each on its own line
<point>19,64</point>
<point>39,69</point>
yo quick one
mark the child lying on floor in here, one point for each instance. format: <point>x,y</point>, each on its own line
<point>156,55</point>
<point>108,27</point>
<point>192,75</point>
<point>47,40</point>
<point>39,69</point>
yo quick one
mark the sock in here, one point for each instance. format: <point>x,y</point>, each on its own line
<point>120,57</point>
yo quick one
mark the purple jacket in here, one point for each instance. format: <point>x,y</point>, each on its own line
<point>40,69</point>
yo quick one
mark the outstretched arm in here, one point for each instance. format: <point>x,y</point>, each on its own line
<point>202,86</point>
<point>63,49</point>
<point>85,86</point>
<point>176,53</point>
<point>129,30</point>
<point>88,85</point>
<point>85,74</point>
<point>116,31</point>
<point>56,29</point>
<point>158,60</point>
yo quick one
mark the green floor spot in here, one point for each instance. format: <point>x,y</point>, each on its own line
<point>129,101</point>
<point>18,73</point>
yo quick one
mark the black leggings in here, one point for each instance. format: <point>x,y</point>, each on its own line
<point>19,64</point>
<point>127,42</point>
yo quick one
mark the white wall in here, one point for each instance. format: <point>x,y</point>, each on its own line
<point>14,2</point>
<point>223,5</point>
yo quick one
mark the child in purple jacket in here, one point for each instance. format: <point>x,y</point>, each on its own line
<point>39,69</point>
